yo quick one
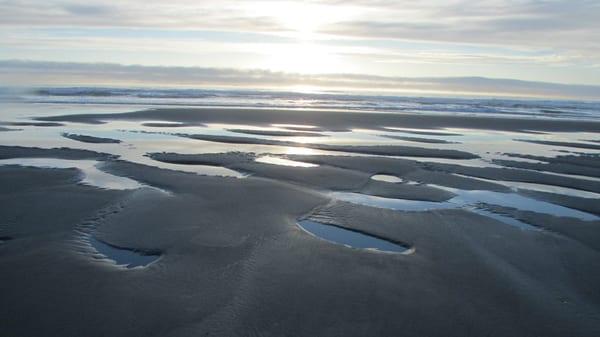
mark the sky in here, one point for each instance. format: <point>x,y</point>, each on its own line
<point>416,46</point>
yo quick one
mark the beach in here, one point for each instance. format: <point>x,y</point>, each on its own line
<point>129,220</point>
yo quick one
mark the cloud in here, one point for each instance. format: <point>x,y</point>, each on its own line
<point>492,38</point>
<point>29,73</point>
<point>89,10</point>
<point>524,23</point>
<point>543,40</point>
<point>176,14</point>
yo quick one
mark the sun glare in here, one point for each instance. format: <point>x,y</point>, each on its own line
<point>302,23</point>
<point>298,20</point>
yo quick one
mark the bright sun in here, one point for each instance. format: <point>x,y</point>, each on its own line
<point>301,22</point>
<point>297,20</point>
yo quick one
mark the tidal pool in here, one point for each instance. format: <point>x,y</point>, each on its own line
<point>125,257</point>
<point>91,174</point>
<point>349,238</point>
<point>282,161</point>
<point>387,178</point>
<point>469,200</point>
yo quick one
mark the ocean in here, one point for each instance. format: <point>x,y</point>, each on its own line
<point>304,100</point>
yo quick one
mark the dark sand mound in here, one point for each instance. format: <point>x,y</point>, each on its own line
<point>425,133</point>
<point>396,150</point>
<point>211,159</point>
<point>305,129</point>
<point>584,159</point>
<point>277,133</point>
<point>7,152</point>
<point>335,120</point>
<point>565,144</point>
<point>32,123</point>
<point>384,150</point>
<point>90,139</point>
<point>419,139</point>
<point>551,167</point>
<point>8,129</point>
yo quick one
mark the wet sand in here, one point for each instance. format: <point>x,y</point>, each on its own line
<point>335,120</point>
<point>90,139</point>
<point>33,123</point>
<point>232,261</point>
<point>385,150</point>
<point>420,140</point>
<point>7,152</point>
<point>565,144</point>
<point>277,133</point>
<point>583,159</point>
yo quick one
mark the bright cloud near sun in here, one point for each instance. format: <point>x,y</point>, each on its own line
<point>299,20</point>
<point>302,23</point>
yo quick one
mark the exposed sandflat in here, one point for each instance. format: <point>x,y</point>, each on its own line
<point>419,139</point>
<point>564,144</point>
<point>234,262</point>
<point>336,120</point>
<point>242,261</point>
<point>277,133</point>
<point>90,139</point>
